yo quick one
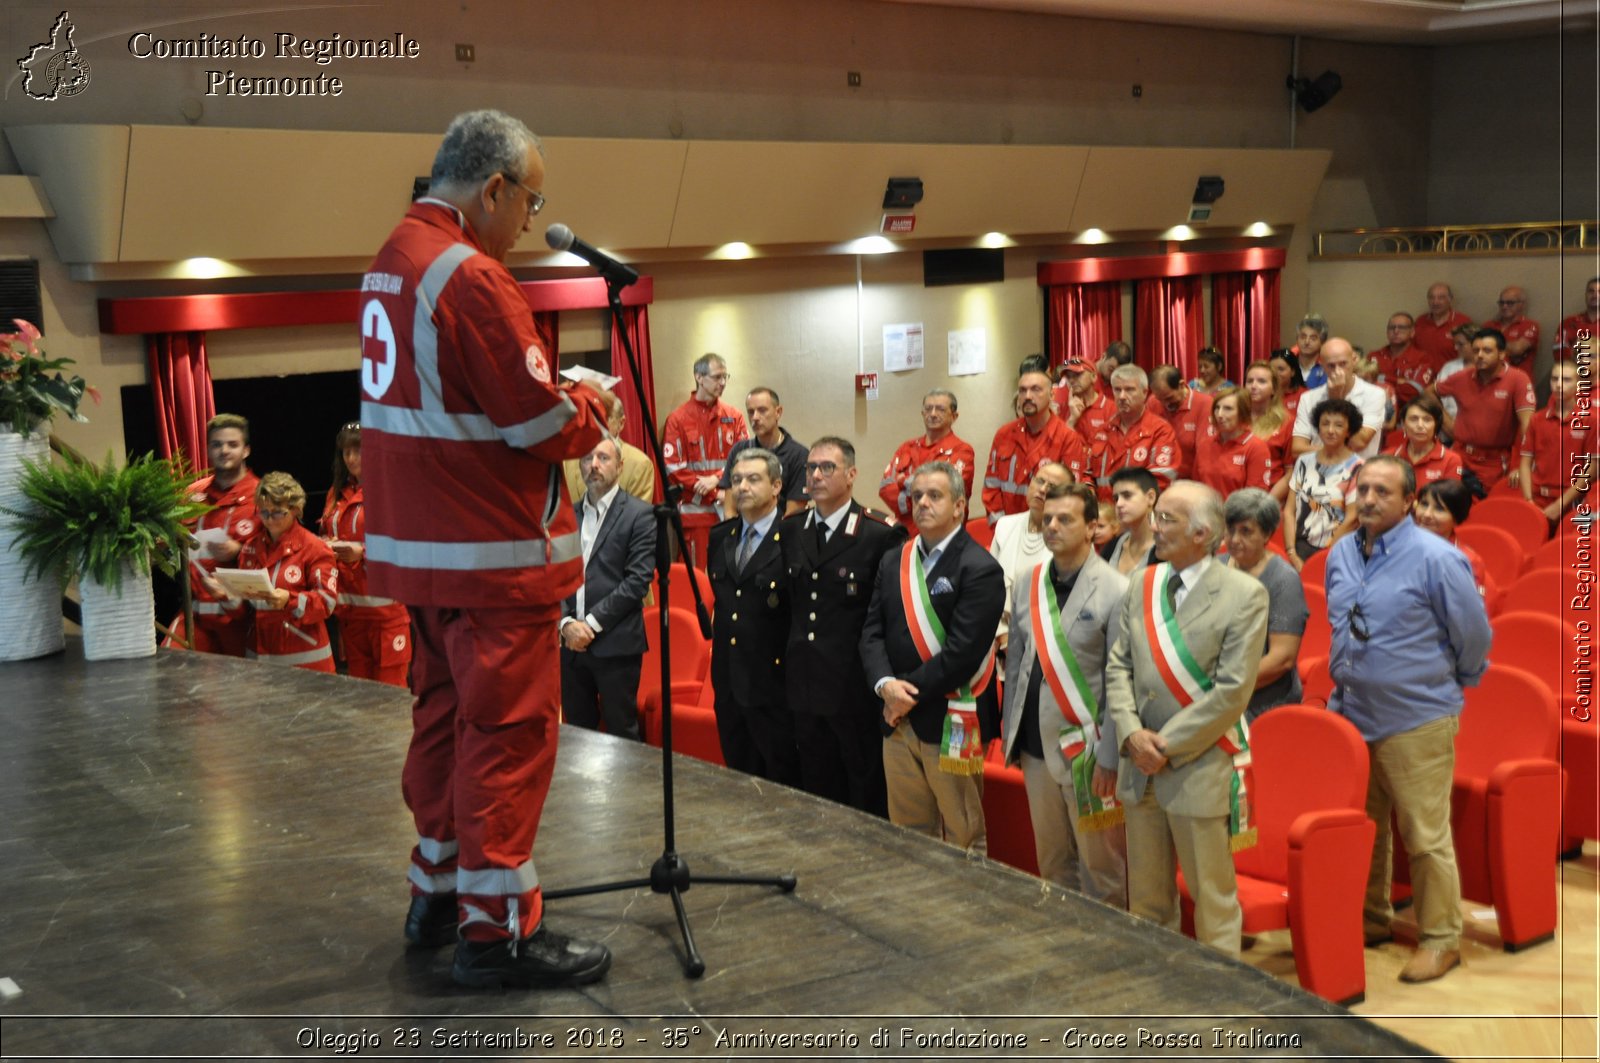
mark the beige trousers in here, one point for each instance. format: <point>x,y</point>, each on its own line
<point>1091,862</point>
<point>930,801</point>
<point>1203,852</point>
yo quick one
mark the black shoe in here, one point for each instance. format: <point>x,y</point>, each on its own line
<point>543,959</point>
<point>431,922</point>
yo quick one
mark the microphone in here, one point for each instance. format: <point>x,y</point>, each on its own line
<point>561,238</point>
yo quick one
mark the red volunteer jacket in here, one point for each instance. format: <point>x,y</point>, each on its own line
<point>895,487</point>
<point>695,442</point>
<point>1015,455</point>
<point>463,428</point>
<point>344,519</point>
<point>235,513</point>
<point>303,565</point>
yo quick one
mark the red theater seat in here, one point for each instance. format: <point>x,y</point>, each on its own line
<point>1006,817</point>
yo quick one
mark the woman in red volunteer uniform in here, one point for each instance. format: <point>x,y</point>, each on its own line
<point>1231,456</point>
<point>1291,384</point>
<point>376,632</point>
<point>1441,507</point>
<point>290,621</point>
<point>1272,422</point>
<point>1430,459</point>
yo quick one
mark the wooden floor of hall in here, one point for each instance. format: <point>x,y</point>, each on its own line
<point>206,859</point>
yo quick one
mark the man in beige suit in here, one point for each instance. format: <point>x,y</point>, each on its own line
<point>1182,665</point>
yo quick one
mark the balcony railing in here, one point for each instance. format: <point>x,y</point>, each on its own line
<point>1439,240</point>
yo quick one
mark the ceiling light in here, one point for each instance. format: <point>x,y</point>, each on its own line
<point>1093,236</point>
<point>870,245</point>
<point>736,250</point>
<point>1259,228</point>
<point>996,240</point>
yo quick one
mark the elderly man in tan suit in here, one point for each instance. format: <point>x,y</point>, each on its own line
<point>1182,665</point>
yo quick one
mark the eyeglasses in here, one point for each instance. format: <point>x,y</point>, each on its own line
<point>826,468</point>
<point>1509,302</point>
<point>535,200</point>
<point>275,514</point>
<point>1358,624</point>
<point>1160,516</point>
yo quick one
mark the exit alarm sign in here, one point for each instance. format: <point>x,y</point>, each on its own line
<point>899,224</point>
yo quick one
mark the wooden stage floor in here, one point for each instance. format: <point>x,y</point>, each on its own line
<point>207,860</point>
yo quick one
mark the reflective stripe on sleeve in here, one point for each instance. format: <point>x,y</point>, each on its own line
<point>364,601</point>
<point>472,557</point>
<point>424,333</point>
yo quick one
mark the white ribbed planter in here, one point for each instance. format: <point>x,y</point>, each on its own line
<point>30,609</point>
<point>119,623</point>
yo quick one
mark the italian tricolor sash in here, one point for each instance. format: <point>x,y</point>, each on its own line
<point>960,749</point>
<point>1080,729</point>
<point>1186,680</point>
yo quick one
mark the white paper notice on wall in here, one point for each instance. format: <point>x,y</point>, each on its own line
<point>902,347</point>
<point>969,351</point>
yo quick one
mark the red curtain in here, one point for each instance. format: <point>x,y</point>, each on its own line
<point>180,386</point>
<point>636,320</point>
<point>1084,320</point>
<point>1244,318</point>
<point>1169,325</point>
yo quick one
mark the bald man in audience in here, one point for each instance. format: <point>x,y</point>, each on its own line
<point>1188,412</point>
<point>1434,328</point>
<point>1339,365</point>
<point>1511,320</point>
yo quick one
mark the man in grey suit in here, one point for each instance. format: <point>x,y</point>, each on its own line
<point>1062,613</point>
<point>602,626</point>
<point>1183,663</point>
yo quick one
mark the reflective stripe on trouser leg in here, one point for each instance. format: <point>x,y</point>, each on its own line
<point>506,668</point>
<point>428,780</point>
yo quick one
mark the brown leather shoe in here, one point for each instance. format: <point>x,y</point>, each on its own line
<point>1373,934</point>
<point>1427,964</point>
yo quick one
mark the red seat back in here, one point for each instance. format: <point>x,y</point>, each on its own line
<point>1502,555</point>
<point>1510,715</point>
<point>691,653</point>
<point>1559,552</point>
<point>679,592</point>
<point>1316,685</point>
<point>981,530</point>
<point>1521,518</point>
<point>1314,573</point>
<point>1318,639</point>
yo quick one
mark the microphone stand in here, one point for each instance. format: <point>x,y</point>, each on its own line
<point>669,874</point>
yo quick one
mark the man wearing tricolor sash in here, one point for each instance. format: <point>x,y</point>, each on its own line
<point>928,651</point>
<point>1183,662</point>
<point>1055,725</point>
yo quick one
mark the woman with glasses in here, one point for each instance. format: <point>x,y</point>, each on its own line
<point>375,632</point>
<point>289,623</point>
<point>1320,509</point>
<point>1441,507</point>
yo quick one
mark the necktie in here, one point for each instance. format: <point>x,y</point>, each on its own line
<point>822,533</point>
<point>1174,581</point>
<point>747,547</point>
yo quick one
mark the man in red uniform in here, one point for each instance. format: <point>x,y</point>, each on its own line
<point>464,430</point>
<point>1575,337</point>
<point>1558,449</point>
<point>1434,327</point>
<point>1494,406</point>
<point>231,488</point>
<point>1521,332</point>
<point>1080,402</point>
<point>696,441</point>
<point>1134,438</point>
<point>1019,446</point>
<point>938,442</point>
<point>1188,412</point>
<point>1406,367</point>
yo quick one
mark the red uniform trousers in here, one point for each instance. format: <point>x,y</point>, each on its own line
<point>483,750</point>
<point>219,634</point>
<point>377,647</point>
<point>1488,463</point>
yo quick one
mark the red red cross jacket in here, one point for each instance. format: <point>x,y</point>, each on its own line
<point>344,519</point>
<point>464,428</point>
<point>303,565</point>
<point>235,513</point>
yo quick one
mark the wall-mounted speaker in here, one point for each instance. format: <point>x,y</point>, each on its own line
<point>963,265</point>
<point>19,293</point>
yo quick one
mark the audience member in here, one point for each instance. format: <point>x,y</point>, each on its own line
<point>1231,456</point>
<point>1496,404</point>
<point>1272,423</point>
<point>1575,337</point>
<point>1310,334</point>
<point>1291,385</point>
<point>1430,460</point>
<point>1461,337</point>
<point>928,647</point>
<point>288,624</point>
<point>1209,365</point>
<point>1134,492</point>
<point>1118,354</point>
<point>1403,365</point>
<point>1443,506</point>
<point>938,442</point>
<point>1368,370</point>
<point>1558,448</point>
<point>1511,321</point>
<point>765,411</point>
<point>1086,409</point>
<point>1187,411</point>
<point>230,489</point>
<point>1409,631</point>
<point>1018,542</point>
<point>603,639</point>
<point>1135,437</point>
<point>1339,361</point>
<point>1322,487</point>
<point>374,632</point>
<point>695,443</point>
<point>1055,722</point>
<point>832,552</point>
<point>1184,656</point>
<point>1252,517</point>
<point>1020,446</point>
<point>750,626</point>
<point>1433,329</point>
<point>638,468</point>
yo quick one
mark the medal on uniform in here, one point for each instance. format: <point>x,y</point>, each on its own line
<point>772,600</point>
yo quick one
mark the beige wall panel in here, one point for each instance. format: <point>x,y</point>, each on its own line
<point>87,168</point>
<point>612,193</point>
<point>1151,188</point>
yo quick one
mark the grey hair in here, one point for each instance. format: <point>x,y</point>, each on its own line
<point>1408,475</point>
<point>1133,373</point>
<point>478,145</point>
<point>1255,505</point>
<point>1207,513</point>
<point>702,364</point>
<point>1313,321</point>
<point>774,466</point>
<point>943,393</point>
<point>958,486</point>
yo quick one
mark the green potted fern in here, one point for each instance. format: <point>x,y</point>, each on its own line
<point>106,525</point>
